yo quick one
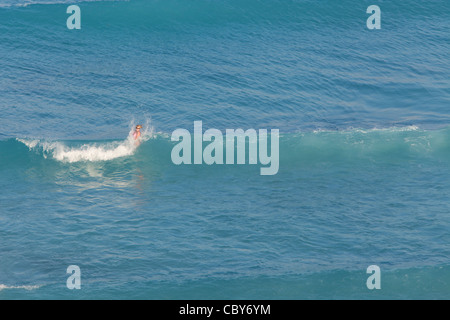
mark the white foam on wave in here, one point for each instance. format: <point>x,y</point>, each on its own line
<point>388,129</point>
<point>90,151</point>
<point>26,3</point>
<point>3,287</point>
<point>29,143</point>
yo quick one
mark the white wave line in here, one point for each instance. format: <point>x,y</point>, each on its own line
<point>29,288</point>
<point>68,2</point>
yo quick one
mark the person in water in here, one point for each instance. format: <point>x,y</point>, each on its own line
<point>137,132</point>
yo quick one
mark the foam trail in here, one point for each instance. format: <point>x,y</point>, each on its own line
<point>2,287</point>
<point>26,3</point>
<point>91,151</point>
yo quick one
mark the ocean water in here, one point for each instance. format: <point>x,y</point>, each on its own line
<point>364,149</point>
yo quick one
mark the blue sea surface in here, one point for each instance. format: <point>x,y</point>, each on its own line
<point>364,167</point>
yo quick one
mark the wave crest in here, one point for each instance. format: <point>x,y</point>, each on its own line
<point>89,151</point>
<point>2,287</point>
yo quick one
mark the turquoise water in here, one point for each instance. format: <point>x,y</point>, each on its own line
<point>363,178</point>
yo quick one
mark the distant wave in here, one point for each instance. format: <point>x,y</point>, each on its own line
<point>391,129</point>
<point>3,287</point>
<point>367,145</point>
<point>296,149</point>
<point>25,3</point>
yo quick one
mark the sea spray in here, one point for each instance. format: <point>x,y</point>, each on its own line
<point>92,151</point>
